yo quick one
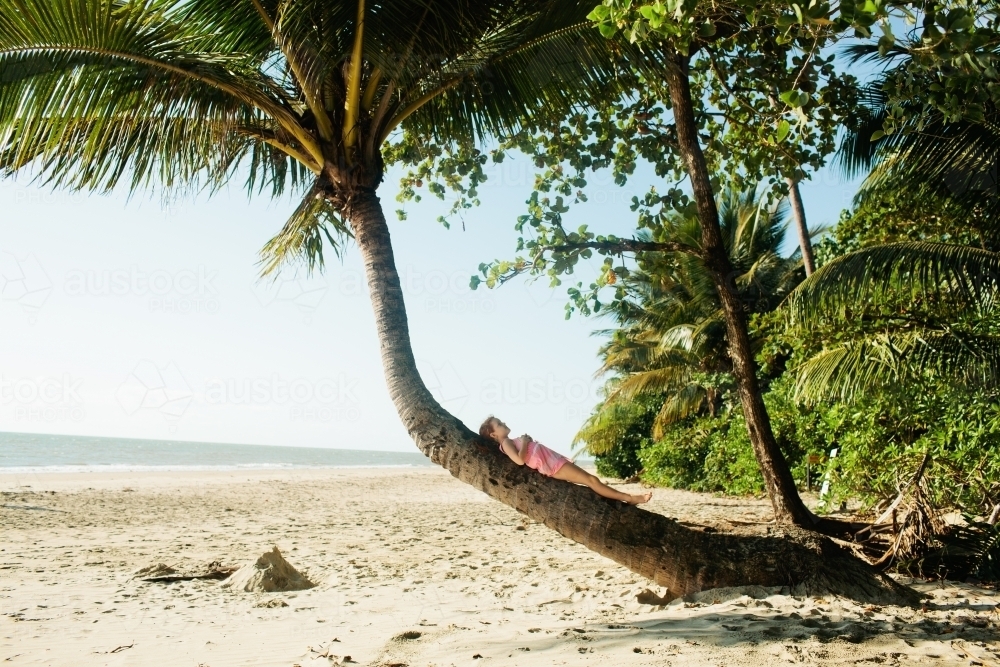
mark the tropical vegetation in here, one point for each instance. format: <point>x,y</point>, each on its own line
<point>314,99</point>
<point>886,358</point>
<point>668,351</point>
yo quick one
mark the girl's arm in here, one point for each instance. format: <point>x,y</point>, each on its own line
<point>510,450</point>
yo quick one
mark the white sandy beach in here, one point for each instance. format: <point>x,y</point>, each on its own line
<point>412,568</point>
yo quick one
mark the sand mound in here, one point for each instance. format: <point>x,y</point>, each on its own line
<point>157,570</point>
<point>269,574</point>
<point>649,597</point>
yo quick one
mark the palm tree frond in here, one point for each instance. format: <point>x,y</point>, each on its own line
<point>659,380</point>
<point>302,238</point>
<point>683,404</point>
<point>92,91</point>
<point>925,271</point>
<point>880,361</point>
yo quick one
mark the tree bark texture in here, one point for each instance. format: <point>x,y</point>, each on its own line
<point>799,216</point>
<point>788,506</point>
<point>683,559</point>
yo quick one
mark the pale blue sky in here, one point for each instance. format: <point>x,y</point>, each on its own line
<point>131,319</point>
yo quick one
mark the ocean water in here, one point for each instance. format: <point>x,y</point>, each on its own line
<point>30,452</point>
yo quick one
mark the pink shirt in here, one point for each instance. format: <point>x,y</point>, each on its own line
<point>539,457</point>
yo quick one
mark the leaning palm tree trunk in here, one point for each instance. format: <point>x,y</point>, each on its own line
<point>682,559</point>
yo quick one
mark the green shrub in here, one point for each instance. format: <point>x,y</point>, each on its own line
<point>622,461</point>
<point>678,459</point>
<point>730,465</point>
<point>704,454</point>
<point>883,439</point>
<point>615,433</point>
<point>715,454</point>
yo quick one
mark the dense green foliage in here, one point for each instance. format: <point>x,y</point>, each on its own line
<point>881,441</point>
<point>667,360</point>
<point>881,434</point>
<point>713,453</point>
<point>884,438</point>
<point>618,432</point>
<point>890,353</point>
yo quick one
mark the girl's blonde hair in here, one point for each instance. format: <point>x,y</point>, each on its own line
<point>486,430</point>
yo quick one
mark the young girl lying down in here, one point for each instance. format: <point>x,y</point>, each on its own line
<point>525,451</point>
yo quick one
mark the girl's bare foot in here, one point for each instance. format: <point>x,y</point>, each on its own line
<point>638,500</point>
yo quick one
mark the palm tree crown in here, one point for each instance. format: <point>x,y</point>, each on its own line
<point>301,94</point>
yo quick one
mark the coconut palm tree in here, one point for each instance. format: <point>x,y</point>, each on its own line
<point>302,96</point>
<point>939,175</point>
<point>912,307</point>
<point>671,331</point>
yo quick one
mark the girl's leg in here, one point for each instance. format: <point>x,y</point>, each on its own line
<point>570,472</point>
